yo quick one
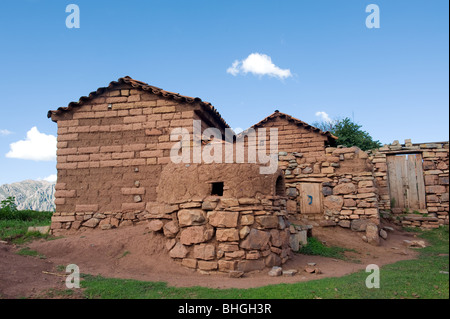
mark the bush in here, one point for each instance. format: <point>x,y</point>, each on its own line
<point>9,211</point>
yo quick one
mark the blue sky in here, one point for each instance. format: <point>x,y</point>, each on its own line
<point>392,80</point>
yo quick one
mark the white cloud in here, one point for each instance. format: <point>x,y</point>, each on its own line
<point>52,178</point>
<point>37,147</point>
<point>325,117</point>
<point>258,64</point>
<point>5,132</point>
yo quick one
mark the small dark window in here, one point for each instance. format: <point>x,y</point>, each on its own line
<point>217,189</point>
<point>279,187</point>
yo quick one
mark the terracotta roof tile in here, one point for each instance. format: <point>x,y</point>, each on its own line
<point>145,87</point>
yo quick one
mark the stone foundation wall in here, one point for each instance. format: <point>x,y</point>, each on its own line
<point>214,234</point>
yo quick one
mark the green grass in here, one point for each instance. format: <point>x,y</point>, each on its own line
<point>418,278</point>
<point>316,248</point>
<point>26,251</point>
<point>126,252</point>
<point>14,226</point>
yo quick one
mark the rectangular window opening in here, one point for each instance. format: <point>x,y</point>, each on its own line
<point>217,188</point>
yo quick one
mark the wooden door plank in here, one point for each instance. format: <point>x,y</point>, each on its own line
<point>392,181</point>
<point>400,173</point>
<point>413,196</point>
<point>420,182</point>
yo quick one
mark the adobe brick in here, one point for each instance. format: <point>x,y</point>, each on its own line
<point>89,149</point>
<point>134,119</point>
<point>123,106</point>
<point>100,157</point>
<point>163,160</point>
<point>122,155</point>
<point>60,186</point>
<point>134,162</point>
<point>83,165</point>
<point>79,129</point>
<point>62,219</point>
<point>63,130</point>
<point>134,98</point>
<point>161,124</point>
<point>181,123</point>
<point>67,151</point>
<point>111,163</point>
<point>145,103</point>
<point>103,114</point>
<point>65,193</point>
<point>154,117</point>
<point>98,100</point>
<point>94,164</point>
<point>187,114</point>
<point>86,208</point>
<point>114,93</point>
<point>66,165</point>
<point>133,206</point>
<point>135,112</point>
<point>117,99</point>
<point>153,131</point>
<point>132,191</point>
<point>164,109</point>
<point>123,112</point>
<point>83,115</point>
<point>111,149</point>
<point>153,153</point>
<point>66,123</point>
<point>100,107</point>
<point>77,158</point>
<point>134,147</point>
<point>68,137</point>
<point>162,102</point>
<point>60,201</point>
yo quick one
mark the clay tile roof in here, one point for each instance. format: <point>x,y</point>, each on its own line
<point>145,87</point>
<point>295,121</point>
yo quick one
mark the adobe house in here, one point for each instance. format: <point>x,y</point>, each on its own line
<point>113,144</point>
<point>114,169</point>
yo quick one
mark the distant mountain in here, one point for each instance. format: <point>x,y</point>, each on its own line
<point>29,194</point>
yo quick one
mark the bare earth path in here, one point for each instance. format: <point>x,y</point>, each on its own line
<point>136,253</point>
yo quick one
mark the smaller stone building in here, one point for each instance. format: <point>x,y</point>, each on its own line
<point>222,217</point>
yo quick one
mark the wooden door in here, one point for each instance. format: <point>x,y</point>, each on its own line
<point>310,198</point>
<point>406,183</point>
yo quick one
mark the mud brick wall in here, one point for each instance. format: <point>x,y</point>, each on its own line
<point>111,150</point>
<point>436,179</point>
<point>348,188</point>
<point>296,138</point>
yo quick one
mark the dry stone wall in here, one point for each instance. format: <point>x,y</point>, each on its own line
<point>347,185</point>
<point>226,234</point>
<point>435,168</point>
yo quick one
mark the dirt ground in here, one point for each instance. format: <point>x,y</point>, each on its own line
<point>135,253</point>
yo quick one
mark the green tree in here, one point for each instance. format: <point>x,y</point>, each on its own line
<point>349,133</point>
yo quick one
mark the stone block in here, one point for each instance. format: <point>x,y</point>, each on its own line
<point>191,217</point>
<point>223,218</point>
